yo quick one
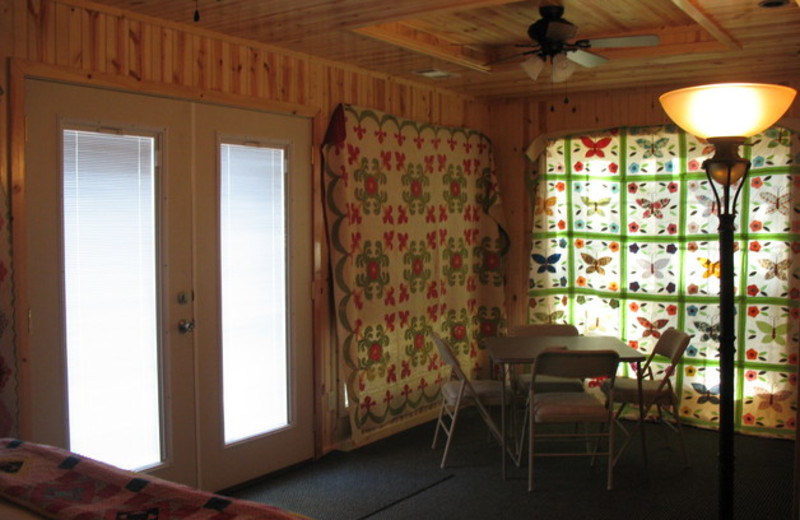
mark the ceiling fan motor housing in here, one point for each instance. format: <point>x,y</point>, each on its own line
<point>552,31</point>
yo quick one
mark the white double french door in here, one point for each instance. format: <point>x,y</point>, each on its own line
<point>165,271</point>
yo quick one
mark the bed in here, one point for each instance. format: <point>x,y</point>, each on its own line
<point>12,511</point>
<point>44,482</point>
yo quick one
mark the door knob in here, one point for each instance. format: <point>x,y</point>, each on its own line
<point>185,326</point>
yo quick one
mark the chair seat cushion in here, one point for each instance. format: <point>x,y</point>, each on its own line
<point>489,391</point>
<point>546,383</point>
<point>626,391</point>
<point>559,407</point>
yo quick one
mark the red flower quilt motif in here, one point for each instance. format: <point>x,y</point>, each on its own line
<point>396,279</point>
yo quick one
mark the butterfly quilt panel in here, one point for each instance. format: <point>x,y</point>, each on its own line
<point>625,243</point>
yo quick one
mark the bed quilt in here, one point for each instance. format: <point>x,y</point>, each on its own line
<point>62,485</point>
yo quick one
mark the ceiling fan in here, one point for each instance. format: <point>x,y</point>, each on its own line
<point>551,35</point>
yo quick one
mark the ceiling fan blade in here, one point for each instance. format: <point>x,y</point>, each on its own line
<point>644,40</point>
<point>585,58</point>
<point>505,59</point>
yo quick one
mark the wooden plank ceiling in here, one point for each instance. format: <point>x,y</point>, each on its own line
<point>701,41</point>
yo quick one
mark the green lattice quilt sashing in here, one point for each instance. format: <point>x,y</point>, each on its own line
<point>625,243</point>
<point>413,215</point>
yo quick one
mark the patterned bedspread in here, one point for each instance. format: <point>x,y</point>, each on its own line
<point>61,485</point>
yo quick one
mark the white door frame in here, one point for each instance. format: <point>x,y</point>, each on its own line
<point>24,287</point>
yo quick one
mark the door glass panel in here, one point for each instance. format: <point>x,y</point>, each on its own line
<point>109,218</point>
<point>253,294</point>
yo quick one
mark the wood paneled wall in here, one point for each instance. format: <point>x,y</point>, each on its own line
<point>79,41</point>
<point>99,39</point>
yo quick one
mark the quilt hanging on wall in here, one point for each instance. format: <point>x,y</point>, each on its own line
<point>414,225</point>
<point>625,243</point>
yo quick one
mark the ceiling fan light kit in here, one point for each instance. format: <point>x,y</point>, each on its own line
<point>561,68</point>
<point>533,66</point>
<point>550,36</point>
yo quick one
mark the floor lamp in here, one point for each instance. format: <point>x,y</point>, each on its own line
<point>725,115</point>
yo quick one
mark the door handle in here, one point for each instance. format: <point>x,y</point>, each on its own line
<point>185,326</point>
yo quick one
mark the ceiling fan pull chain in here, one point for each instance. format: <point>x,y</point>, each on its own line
<point>196,11</point>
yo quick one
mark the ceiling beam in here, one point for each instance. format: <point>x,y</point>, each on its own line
<point>401,35</point>
<point>694,12</point>
<point>672,40</point>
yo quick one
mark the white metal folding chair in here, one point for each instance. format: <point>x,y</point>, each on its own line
<point>460,392</point>
<point>656,392</point>
<point>547,383</point>
<point>544,383</point>
<point>573,407</point>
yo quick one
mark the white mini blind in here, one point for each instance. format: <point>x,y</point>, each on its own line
<point>110,257</point>
<point>254,290</point>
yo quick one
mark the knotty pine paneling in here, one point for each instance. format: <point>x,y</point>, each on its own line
<point>146,53</point>
<point>6,42</point>
<point>94,38</point>
<point>84,40</point>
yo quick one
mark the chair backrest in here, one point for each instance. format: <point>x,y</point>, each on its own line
<point>672,344</point>
<point>577,363</point>
<point>543,329</point>
<point>448,356</point>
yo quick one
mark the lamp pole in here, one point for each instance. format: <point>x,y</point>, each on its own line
<point>726,364</point>
<point>727,169</point>
<point>717,112</point>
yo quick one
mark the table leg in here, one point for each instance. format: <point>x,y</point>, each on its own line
<point>642,413</point>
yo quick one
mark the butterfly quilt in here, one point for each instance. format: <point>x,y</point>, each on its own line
<point>624,242</point>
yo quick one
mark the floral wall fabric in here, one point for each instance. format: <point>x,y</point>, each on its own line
<point>625,244</point>
<point>8,379</point>
<point>416,246</point>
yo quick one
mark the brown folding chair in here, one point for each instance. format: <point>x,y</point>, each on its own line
<point>459,392</point>
<point>573,407</point>
<point>655,392</point>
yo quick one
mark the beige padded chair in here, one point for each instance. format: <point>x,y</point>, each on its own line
<point>573,407</point>
<point>547,383</point>
<point>460,392</point>
<point>655,392</point>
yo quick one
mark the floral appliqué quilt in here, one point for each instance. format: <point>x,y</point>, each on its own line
<point>414,221</point>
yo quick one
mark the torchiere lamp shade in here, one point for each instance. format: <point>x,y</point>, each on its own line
<point>727,109</point>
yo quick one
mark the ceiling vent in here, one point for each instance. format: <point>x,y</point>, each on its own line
<point>434,73</point>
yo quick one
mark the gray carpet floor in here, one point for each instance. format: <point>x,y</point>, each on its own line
<point>399,478</point>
